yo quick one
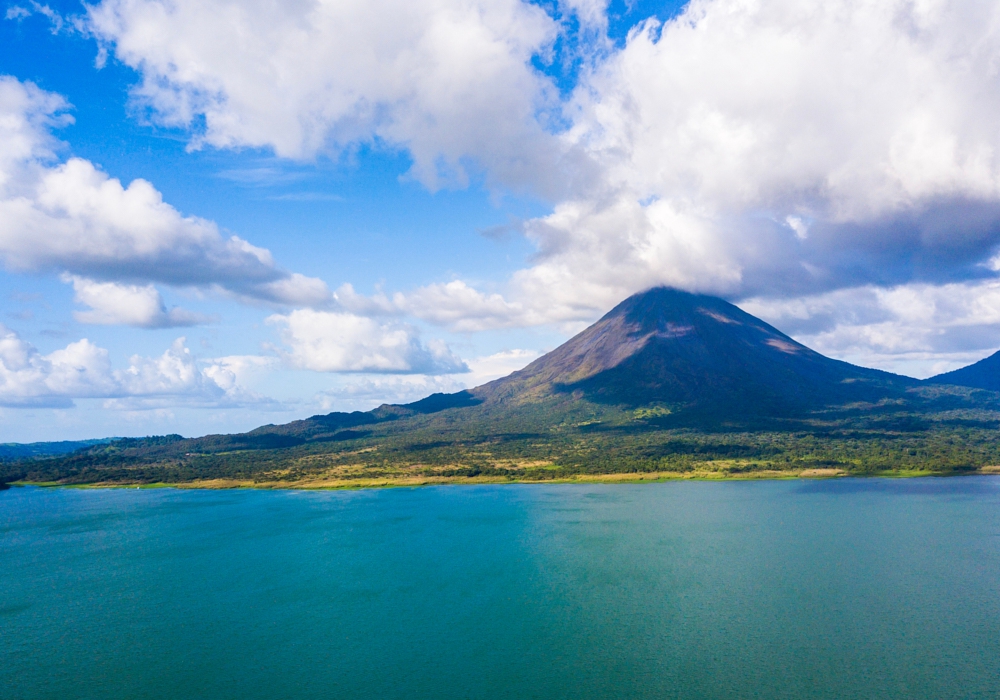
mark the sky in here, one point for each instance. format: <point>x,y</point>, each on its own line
<point>217,214</point>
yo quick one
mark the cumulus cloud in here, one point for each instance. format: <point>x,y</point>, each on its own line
<point>129,305</point>
<point>451,81</point>
<point>788,147</point>
<point>28,378</point>
<point>489,367</point>
<point>236,371</point>
<point>741,147</point>
<point>763,148</point>
<point>72,217</point>
<point>367,392</point>
<point>754,148</point>
<point>461,307</point>
<point>916,329</point>
<point>342,342</point>
<point>83,370</point>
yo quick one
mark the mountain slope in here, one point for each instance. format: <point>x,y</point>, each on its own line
<point>984,374</point>
<point>665,346</point>
<point>666,381</point>
<point>697,357</point>
<point>16,450</point>
<point>694,356</point>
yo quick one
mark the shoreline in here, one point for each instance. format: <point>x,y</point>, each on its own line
<point>414,482</point>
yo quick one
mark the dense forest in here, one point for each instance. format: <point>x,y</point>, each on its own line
<point>944,430</point>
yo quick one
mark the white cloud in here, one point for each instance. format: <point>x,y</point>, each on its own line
<point>27,115</point>
<point>592,255</point>
<point>83,370</point>
<point>17,12</point>
<point>129,305</point>
<point>379,304</point>
<point>369,391</point>
<point>342,342</point>
<point>758,104</point>
<point>55,19</point>
<point>463,308</point>
<point>72,217</point>
<point>688,151</point>
<point>770,148</point>
<point>585,266</point>
<point>749,147</point>
<point>589,12</point>
<point>235,371</point>
<point>873,120</point>
<point>917,329</point>
<point>489,367</point>
<point>172,373</point>
<point>448,80</point>
<point>28,378</point>
<point>799,226</point>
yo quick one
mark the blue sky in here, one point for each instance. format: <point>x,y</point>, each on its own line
<point>488,176</point>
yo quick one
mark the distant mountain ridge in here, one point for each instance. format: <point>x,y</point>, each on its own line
<point>984,374</point>
<point>22,450</point>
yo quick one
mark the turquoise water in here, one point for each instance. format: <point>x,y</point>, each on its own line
<point>792,589</point>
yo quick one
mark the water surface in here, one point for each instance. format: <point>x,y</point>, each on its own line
<point>784,589</point>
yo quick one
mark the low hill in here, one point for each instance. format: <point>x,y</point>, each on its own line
<point>23,450</point>
<point>984,374</point>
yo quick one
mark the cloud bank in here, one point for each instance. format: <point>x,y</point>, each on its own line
<point>451,81</point>
<point>745,147</point>
<point>783,148</point>
<point>341,342</point>
<point>793,154</point>
<point>83,370</point>
<point>71,217</point>
<point>369,391</point>
<point>916,329</point>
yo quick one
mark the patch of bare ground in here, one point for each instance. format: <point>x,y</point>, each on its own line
<point>217,484</point>
<point>764,474</point>
<point>991,469</point>
<point>821,473</point>
<point>627,478</point>
<point>528,464</point>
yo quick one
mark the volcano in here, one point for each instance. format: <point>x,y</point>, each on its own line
<point>694,352</point>
<point>665,380</point>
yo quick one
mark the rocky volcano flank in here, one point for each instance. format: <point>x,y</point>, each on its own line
<point>670,347</point>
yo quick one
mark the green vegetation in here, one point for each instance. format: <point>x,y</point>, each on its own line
<point>938,430</point>
<point>11,450</point>
<point>666,385</point>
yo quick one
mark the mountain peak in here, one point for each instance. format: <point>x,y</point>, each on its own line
<point>668,346</point>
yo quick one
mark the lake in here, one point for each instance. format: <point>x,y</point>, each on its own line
<point>850,588</point>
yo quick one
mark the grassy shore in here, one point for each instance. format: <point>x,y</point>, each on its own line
<point>335,483</point>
